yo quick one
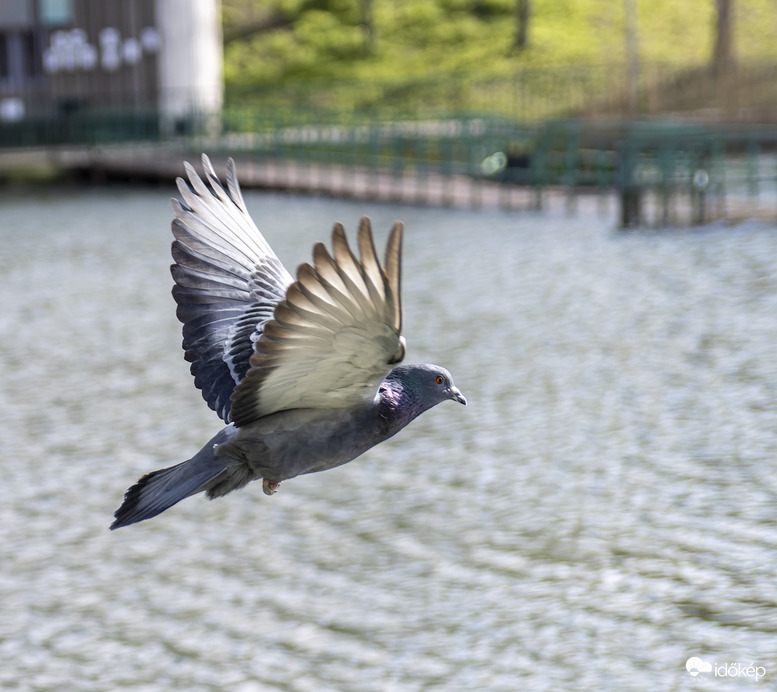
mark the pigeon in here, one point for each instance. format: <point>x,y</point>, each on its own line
<point>304,373</point>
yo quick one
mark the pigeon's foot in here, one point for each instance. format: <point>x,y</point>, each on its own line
<point>270,487</point>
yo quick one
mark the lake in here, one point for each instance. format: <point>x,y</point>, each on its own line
<point>603,510</point>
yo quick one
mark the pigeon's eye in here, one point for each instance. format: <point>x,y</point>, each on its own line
<point>439,379</point>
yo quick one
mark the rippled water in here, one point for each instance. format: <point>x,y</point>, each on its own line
<point>603,510</point>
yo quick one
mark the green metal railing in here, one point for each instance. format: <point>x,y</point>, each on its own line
<point>82,127</point>
<point>656,168</point>
<point>710,166</point>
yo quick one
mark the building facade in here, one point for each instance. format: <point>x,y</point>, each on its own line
<point>64,57</point>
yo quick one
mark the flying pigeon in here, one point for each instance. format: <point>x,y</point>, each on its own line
<point>304,373</point>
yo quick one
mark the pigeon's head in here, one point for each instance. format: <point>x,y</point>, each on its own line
<point>427,384</point>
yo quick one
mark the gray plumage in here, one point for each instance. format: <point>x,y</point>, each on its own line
<point>299,370</point>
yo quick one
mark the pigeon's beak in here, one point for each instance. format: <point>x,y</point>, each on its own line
<point>456,395</point>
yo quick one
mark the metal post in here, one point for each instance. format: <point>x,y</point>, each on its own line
<point>628,190</point>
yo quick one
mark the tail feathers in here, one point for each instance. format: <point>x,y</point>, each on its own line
<point>155,492</point>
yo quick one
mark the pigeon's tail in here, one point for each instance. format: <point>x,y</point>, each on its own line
<point>157,491</point>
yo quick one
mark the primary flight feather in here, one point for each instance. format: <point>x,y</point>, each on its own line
<point>303,372</point>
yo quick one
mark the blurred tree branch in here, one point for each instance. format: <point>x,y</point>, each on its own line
<point>258,25</point>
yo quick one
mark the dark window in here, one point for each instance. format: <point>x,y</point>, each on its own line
<point>31,61</point>
<point>19,60</point>
<point>4,74</point>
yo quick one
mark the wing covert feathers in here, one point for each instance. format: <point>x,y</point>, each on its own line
<point>334,336</point>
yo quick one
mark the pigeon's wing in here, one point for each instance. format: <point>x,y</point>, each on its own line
<point>228,282</point>
<point>334,337</point>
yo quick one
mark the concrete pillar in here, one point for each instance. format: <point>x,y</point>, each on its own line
<point>191,79</point>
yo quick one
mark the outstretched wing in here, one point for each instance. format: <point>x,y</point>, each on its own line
<point>334,337</point>
<point>228,282</point>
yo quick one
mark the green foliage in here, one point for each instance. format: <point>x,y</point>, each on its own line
<point>427,52</point>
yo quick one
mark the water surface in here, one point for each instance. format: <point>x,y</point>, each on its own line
<point>603,510</point>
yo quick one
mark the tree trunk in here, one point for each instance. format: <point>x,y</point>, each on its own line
<point>368,26</point>
<point>632,55</point>
<point>521,25</point>
<point>723,54</point>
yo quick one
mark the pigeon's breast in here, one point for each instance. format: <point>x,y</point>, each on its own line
<point>290,443</point>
